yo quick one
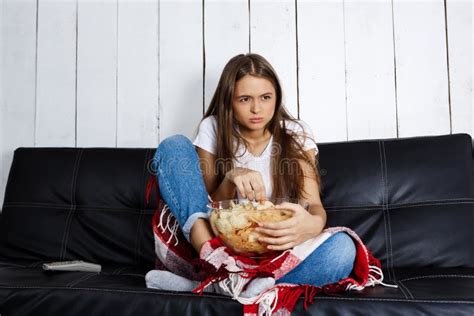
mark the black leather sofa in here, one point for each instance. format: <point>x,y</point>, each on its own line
<point>411,200</point>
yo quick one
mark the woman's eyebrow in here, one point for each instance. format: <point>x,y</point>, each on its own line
<point>245,95</point>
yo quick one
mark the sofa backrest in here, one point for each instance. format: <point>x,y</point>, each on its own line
<point>411,200</point>
<point>78,203</point>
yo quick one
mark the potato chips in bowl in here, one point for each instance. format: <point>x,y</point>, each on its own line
<point>234,223</point>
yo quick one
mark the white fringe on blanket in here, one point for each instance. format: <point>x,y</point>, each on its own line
<point>236,281</point>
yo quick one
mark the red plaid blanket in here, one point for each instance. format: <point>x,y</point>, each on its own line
<point>233,273</point>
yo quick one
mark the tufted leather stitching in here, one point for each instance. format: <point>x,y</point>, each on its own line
<point>73,206</point>
<point>35,264</point>
<point>217,296</point>
<point>141,210</point>
<point>403,288</point>
<point>387,211</point>
<point>81,279</point>
<point>439,276</point>
<point>411,204</point>
<point>394,208</point>
<point>339,207</point>
<point>86,208</point>
<point>387,241</point>
<point>402,284</point>
<point>433,204</point>
<point>118,270</point>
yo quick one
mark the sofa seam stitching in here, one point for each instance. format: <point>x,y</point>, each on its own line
<point>74,201</point>
<point>118,271</point>
<point>81,279</point>
<point>402,286</point>
<point>85,208</point>
<point>229,298</point>
<point>140,217</point>
<point>383,211</point>
<point>395,205</point>
<point>438,276</point>
<point>429,204</point>
<point>339,207</point>
<point>392,208</point>
<point>387,210</point>
<point>401,289</point>
<point>72,208</point>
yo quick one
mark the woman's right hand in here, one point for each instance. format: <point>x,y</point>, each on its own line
<point>248,182</point>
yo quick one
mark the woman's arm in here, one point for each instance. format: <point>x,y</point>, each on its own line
<point>303,225</point>
<point>218,191</point>
<point>249,182</point>
<point>311,193</point>
<point>201,230</point>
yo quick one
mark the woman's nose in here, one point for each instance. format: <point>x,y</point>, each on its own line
<point>256,107</point>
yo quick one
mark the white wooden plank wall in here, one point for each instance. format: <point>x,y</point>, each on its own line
<point>96,74</point>
<point>129,73</point>
<point>226,35</point>
<point>181,67</point>
<point>371,108</point>
<point>137,74</point>
<point>460,27</point>
<point>56,74</point>
<point>17,112</point>
<point>422,77</point>
<point>2,116</point>
<point>321,59</point>
<point>273,35</point>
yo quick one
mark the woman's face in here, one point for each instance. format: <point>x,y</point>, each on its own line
<point>253,103</point>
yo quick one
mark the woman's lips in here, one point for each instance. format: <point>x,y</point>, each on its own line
<point>256,120</point>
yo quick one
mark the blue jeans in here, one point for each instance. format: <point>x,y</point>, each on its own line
<point>182,188</point>
<point>332,261</point>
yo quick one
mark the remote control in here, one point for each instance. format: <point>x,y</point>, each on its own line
<point>75,265</point>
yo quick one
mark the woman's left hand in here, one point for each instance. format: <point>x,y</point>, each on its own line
<point>290,232</point>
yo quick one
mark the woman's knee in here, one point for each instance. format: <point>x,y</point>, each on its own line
<point>173,146</point>
<point>346,250</point>
<point>171,143</point>
<point>169,150</point>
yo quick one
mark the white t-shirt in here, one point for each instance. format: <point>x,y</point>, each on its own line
<point>206,139</point>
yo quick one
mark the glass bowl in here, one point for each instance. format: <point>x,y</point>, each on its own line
<point>234,223</point>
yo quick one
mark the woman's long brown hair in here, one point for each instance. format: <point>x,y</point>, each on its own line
<point>287,150</point>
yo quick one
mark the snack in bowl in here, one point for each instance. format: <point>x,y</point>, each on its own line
<point>234,223</point>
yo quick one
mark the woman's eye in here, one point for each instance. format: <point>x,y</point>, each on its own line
<point>244,99</point>
<point>267,97</point>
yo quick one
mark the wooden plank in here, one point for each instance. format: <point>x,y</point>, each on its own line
<point>17,112</point>
<point>97,74</point>
<point>226,35</point>
<point>273,35</point>
<point>181,67</point>
<point>421,69</point>
<point>137,112</point>
<point>460,39</point>
<point>321,68</point>
<point>370,79</point>
<point>56,74</point>
<point>2,105</point>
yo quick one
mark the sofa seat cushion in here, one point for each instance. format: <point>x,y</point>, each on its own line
<point>25,289</point>
<point>22,274</point>
<point>440,284</point>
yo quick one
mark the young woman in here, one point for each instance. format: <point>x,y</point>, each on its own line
<point>248,146</point>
